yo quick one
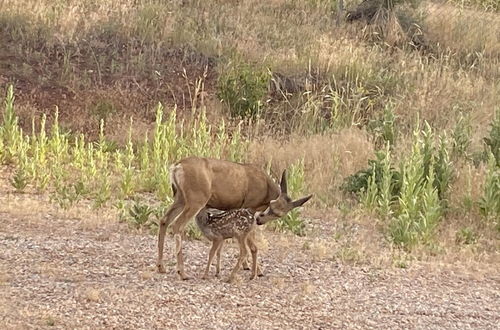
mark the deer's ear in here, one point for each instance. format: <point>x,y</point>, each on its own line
<point>301,201</point>
<point>283,183</point>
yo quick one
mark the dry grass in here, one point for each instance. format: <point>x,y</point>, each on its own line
<point>327,159</point>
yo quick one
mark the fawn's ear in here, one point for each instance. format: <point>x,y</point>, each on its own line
<point>301,201</point>
<point>283,183</point>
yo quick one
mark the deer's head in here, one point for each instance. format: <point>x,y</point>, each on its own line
<point>280,206</point>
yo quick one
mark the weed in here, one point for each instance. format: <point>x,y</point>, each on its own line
<point>381,172</point>
<point>383,128</point>
<point>493,140</point>
<point>489,203</point>
<point>242,87</point>
<point>419,208</point>
<point>466,236</point>
<point>461,136</point>
<point>139,214</point>
<point>20,179</point>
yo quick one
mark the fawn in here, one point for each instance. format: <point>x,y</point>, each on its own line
<point>240,224</point>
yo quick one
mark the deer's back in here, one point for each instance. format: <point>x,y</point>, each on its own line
<point>229,185</point>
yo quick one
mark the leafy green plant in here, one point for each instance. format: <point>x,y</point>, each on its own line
<point>489,203</point>
<point>358,182</point>
<point>139,214</point>
<point>20,179</point>
<point>420,208</point>
<point>462,136</point>
<point>383,128</point>
<point>242,87</point>
<point>386,189</point>
<point>466,236</point>
<point>443,168</point>
<point>493,140</point>
<point>369,197</point>
<point>66,194</point>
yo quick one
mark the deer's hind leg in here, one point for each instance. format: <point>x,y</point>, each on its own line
<point>217,269</point>
<point>194,186</point>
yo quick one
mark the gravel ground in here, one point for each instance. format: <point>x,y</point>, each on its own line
<point>56,273</point>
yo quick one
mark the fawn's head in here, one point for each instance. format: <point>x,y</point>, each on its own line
<point>281,205</point>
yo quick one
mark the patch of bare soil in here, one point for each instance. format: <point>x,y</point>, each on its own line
<point>64,270</point>
<point>87,93</point>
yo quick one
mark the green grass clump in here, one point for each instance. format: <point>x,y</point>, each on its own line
<point>242,88</point>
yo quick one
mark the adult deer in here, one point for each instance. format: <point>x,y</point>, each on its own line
<point>219,184</point>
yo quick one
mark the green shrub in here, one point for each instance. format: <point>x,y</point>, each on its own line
<point>466,236</point>
<point>489,204</point>
<point>242,88</point>
<point>461,136</point>
<point>383,128</point>
<point>139,214</point>
<point>358,182</point>
<point>493,140</point>
<point>419,208</point>
<point>415,195</point>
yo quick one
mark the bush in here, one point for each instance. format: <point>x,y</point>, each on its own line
<point>466,236</point>
<point>358,182</point>
<point>493,140</point>
<point>489,204</point>
<point>242,88</point>
<point>462,136</point>
<point>415,194</point>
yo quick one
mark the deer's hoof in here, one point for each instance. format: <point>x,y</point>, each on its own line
<point>183,276</point>
<point>160,268</point>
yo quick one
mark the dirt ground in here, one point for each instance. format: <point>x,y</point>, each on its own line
<point>85,270</point>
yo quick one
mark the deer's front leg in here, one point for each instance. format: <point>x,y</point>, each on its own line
<point>253,250</point>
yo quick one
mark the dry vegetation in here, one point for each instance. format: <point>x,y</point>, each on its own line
<point>278,83</point>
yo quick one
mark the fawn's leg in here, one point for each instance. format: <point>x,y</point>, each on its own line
<point>241,257</point>
<point>217,269</point>
<point>253,250</point>
<point>213,249</point>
